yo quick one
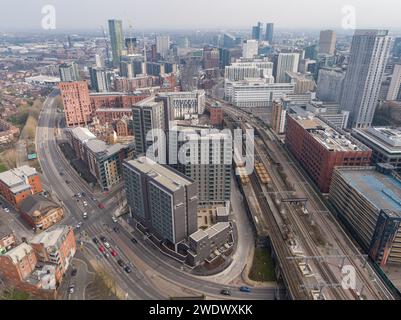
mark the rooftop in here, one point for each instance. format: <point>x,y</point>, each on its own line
<point>326,135</point>
<point>37,203</point>
<point>50,238</point>
<point>381,190</point>
<point>386,138</point>
<point>19,252</point>
<point>167,177</point>
<point>17,176</point>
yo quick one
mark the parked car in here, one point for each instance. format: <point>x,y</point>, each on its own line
<point>121,263</point>
<point>245,289</point>
<point>107,245</point>
<point>102,249</point>
<point>134,241</point>
<point>95,240</point>
<point>114,219</point>
<point>116,229</point>
<point>113,253</point>
<point>103,239</point>
<point>71,289</point>
<point>127,269</point>
<point>85,215</point>
<point>106,255</point>
<point>101,206</point>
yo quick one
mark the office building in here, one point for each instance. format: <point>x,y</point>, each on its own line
<point>320,147</point>
<point>211,58</point>
<point>103,160</point>
<point>367,62</point>
<point>279,114</point>
<point>161,199</point>
<point>397,47</point>
<point>76,101</point>
<point>229,41</point>
<point>19,183</point>
<point>250,49</point>
<point>257,32</point>
<point>99,60</point>
<point>116,40</point>
<point>269,32</point>
<point>367,200</point>
<point>100,81</point>
<point>256,68</point>
<point>253,93</point>
<point>394,91</point>
<point>327,41</point>
<point>225,57</point>
<point>302,83</point>
<point>162,45</point>
<point>284,62</point>
<point>385,143</point>
<point>148,115</point>
<point>179,105</point>
<point>69,72</point>
<point>208,159</point>
<point>330,84</point>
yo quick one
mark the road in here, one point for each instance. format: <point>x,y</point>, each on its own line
<point>150,265</point>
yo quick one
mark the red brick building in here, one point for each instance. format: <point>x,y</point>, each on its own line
<point>7,239</point>
<point>76,101</point>
<point>216,115</point>
<point>111,115</point>
<point>19,183</point>
<point>320,148</point>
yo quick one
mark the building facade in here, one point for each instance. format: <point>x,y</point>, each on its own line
<point>367,62</point>
<point>327,41</point>
<point>320,148</point>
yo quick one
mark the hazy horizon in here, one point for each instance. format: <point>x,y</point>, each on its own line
<point>21,15</point>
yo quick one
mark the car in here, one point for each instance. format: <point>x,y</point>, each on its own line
<point>101,206</point>
<point>85,203</point>
<point>107,245</point>
<point>95,240</point>
<point>127,269</point>
<point>85,215</point>
<point>94,199</point>
<point>225,292</point>
<point>102,249</point>
<point>114,219</point>
<point>121,263</point>
<point>67,181</point>
<point>245,289</point>
<point>61,173</point>
<point>7,210</point>
<point>113,253</point>
<point>71,289</point>
<point>79,225</point>
<point>74,272</point>
<point>83,194</point>
<point>103,239</point>
<point>116,229</point>
<point>133,240</point>
<point>106,255</point>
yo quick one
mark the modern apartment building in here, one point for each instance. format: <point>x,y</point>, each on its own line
<point>250,49</point>
<point>279,114</point>
<point>394,91</point>
<point>76,101</point>
<point>269,32</point>
<point>302,83</point>
<point>163,200</point>
<point>178,105</point>
<point>148,115</point>
<point>206,157</point>
<point>367,62</point>
<point>163,45</point>
<point>19,183</point>
<point>100,81</point>
<point>255,68</point>
<point>320,148</point>
<point>69,72</point>
<point>367,200</point>
<point>327,41</point>
<point>116,40</point>
<point>330,84</point>
<point>284,62</point>
<point>103,160</point>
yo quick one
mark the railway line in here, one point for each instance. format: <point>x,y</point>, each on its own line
<point>328,275</point>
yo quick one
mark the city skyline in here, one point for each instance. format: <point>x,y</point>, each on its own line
<point>198,15</point>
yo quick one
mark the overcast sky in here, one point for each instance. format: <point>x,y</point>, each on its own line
<point>173,14</point>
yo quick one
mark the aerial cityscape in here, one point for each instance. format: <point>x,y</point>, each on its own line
<point>202,159</point>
